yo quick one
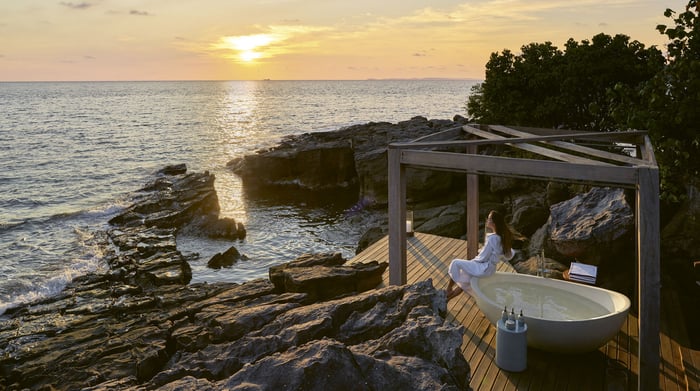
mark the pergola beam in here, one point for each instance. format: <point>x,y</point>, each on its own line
<point>528,168</point>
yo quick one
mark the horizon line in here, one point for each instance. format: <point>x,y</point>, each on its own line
<point>200,80</point>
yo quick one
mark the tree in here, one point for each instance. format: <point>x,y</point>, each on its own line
<point>548,88</point>
<point>670,105</point>
<point>515,87</point>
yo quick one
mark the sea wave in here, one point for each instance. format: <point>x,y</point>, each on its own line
<point>23,289</point>
<point>102,213</point>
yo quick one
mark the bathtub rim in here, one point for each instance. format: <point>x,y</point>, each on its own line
<point>560,284</point>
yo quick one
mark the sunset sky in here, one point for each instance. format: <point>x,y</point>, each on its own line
<point>296,39</point>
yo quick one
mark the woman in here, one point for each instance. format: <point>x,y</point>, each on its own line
<point>497,244</point>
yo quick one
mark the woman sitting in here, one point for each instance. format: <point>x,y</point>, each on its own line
<point>497,244</point>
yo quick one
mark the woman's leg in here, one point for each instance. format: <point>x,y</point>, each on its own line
<point>452,290</point>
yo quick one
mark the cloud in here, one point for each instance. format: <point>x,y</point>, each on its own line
<point>76,6</point>
<point>271,41</point>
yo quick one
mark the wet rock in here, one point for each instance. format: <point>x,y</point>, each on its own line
<point>225,259</point>
<point>175,169</point>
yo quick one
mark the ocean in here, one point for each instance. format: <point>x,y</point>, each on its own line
<point>73,152</point>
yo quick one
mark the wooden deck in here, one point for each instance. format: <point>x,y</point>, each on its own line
<point>612,367</point>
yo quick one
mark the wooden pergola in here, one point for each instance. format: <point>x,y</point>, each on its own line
<point>566,159</point>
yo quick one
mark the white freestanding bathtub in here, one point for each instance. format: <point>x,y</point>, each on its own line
<point>561,316</point>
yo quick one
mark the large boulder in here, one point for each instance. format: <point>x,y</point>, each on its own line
<point>448,220</point>
<point>324,276</point>
<point>529,213</point>
<point>593,226</point>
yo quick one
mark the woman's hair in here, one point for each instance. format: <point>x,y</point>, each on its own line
<point>502,230</point>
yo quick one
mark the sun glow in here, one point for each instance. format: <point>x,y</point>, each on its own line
<point>248,46</point>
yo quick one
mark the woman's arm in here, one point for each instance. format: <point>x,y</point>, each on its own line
<point>490,249</point>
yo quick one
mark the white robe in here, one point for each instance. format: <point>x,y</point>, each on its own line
<point>484,264</point>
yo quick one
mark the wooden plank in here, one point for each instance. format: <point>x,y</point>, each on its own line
<point>621,158</point>
<point>627,136</point>
<point>486,333</point>
<point>633,330</point>
<point>490,378</point>
<point>448,134</point>
<point>675,356</point>
<point>691,367</point>
<point>558,155</point>
<point>669,378</point>
<point>616,361</point>
<point>524,168</point>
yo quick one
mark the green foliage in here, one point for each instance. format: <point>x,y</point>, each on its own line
<point>546,87</point>
<point>518,90</point>
<point>670,105</point>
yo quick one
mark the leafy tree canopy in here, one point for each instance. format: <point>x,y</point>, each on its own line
<point>543,86</point>
<point>670,105</point>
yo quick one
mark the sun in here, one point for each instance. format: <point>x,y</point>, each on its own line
<point>248,46</point>
<point>249,55</point>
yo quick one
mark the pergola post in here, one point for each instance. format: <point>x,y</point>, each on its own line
<point>472,212</point>
<point>397,218</point>
<point>649,285</point>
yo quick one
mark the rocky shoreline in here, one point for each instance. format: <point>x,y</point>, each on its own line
<point>316,324</point>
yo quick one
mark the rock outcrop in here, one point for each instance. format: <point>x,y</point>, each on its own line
<point>589,226</point>
<point>351,158</point>
<point>317,324</point>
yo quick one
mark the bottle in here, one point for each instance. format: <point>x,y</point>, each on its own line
<point>510,323</point>
<point>504,315</point>
<point>521,320</point>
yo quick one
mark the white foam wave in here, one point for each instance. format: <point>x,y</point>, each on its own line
<point>52,285</point>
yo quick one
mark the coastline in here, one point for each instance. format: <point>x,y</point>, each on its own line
<point>142,326</point>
